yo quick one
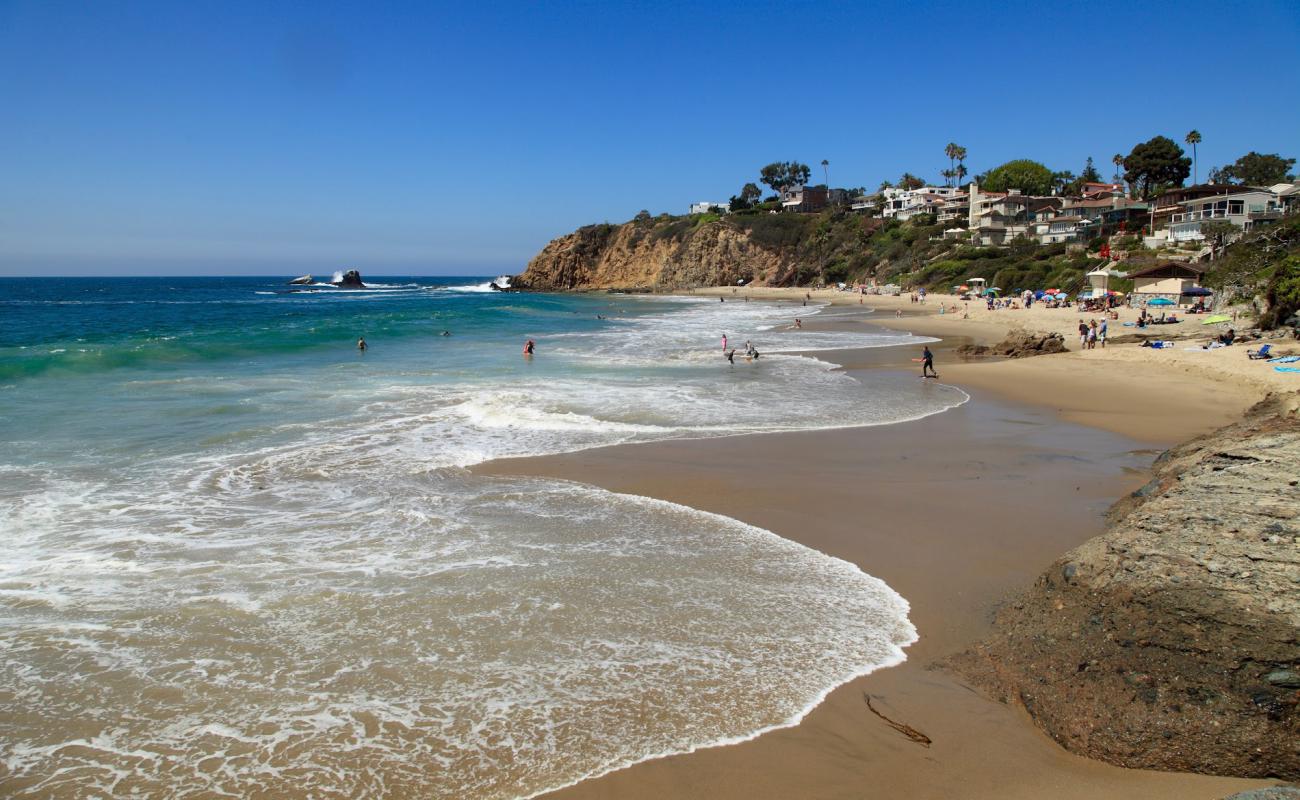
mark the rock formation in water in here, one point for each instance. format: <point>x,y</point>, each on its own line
<point>305,280</point>
<point>350,280</point>
<point>1172,641</point>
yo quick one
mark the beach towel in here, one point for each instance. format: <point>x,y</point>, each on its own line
<point>1287,369</point>
<point>1162,345</point>
<point>1284,360</point>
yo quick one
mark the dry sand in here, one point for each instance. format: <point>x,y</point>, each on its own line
<point>956,512</point>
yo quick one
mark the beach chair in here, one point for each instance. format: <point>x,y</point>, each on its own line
<point>1263,352</point>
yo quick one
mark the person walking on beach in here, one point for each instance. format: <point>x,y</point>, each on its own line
<point>1101,333</point>
<point>927,364</point>
<point>1083,335</point>
<point>361,344</point>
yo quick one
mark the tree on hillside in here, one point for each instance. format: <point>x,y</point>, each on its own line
<point>1218,233</point>
<point>1258,169</point>
<point>1118,161</point>
<point>1090,173</point>
<point>1063,181</point>
<point>910,181</point>
<point>1156,165</point>
<point>749,195</point>
<point>826,172</point>
<point>1029,177</point>
<point>961,163</point>
<point>1193,138</point>
<point>951,152</point>
<point>960,172</point>
<point>781,175</point>
<point>947,175</point>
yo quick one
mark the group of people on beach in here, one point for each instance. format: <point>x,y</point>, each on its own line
<point>1092,332</point>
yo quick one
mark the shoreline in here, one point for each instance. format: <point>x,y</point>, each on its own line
<point>1021,435</point>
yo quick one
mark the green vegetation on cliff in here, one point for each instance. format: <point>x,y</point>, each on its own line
<point>837,245</point>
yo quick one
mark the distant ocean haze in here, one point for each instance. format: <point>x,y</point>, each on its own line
<point>242,555</point>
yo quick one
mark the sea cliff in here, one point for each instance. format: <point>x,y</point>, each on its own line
<point>1172,641</point>
<point>704,250</point>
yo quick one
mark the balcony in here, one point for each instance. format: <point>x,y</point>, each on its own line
<point>1209,213</point>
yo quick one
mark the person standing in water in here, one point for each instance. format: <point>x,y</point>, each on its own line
<point>927,364</point>
<point>528,347</point>
<point>361,344</point>
<point>724,342</point>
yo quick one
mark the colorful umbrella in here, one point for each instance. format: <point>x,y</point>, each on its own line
<point>1160,301</point>
<point>1217,318</point>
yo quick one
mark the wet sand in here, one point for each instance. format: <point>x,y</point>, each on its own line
<point>956,512</point>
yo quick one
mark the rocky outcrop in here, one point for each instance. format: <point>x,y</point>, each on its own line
<point>1172,641</point>
<point>641,256</point>
<point>305,280</point>
<point>1018,344</point>
<point>350,280</point>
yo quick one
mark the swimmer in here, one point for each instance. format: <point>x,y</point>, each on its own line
<point>361,344</point>
<point>528,347</point>
<point>446,333</point>
<point>798,323</point>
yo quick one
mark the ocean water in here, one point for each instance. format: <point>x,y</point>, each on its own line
<point>241,557</point>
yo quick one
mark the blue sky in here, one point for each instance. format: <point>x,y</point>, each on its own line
<point>278,138</point>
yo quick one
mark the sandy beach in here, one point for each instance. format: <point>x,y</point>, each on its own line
<point>956,512</point>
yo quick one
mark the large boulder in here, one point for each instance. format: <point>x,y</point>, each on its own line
<point>350,280</point>
<point>1018,344</point>
<point>1172,641</point>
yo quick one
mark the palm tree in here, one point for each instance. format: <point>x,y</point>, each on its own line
<point>951,152</point>
<point>1118,161</point>
<point>826,171</point>
<point>1193,138</point>
<point>960,155</point>
<point>960,172</point>
<point>948,176</point>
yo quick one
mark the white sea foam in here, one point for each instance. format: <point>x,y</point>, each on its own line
<point>339,607</point>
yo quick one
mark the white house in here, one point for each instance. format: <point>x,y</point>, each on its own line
<point>903,204</point>
<point>705,208</point>
<point>1243,209</point>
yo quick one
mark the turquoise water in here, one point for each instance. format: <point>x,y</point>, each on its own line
<point>241,555</point>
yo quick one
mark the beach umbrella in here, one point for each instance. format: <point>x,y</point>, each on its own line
<point>1198,291</point>
<point>1051,291</point>
<point>1217,318</point>
<point>1160,301</point>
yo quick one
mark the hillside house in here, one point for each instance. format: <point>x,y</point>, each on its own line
<point>903,204</point>
<point>804,198</point>
<point>1245,209</point>
<point>705,208</point>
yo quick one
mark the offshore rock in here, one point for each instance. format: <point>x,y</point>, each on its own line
<point>1172,640</point>
<point>350,280</point>
<point>305,280</point>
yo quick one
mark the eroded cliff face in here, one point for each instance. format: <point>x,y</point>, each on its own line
<point>641,256</point>
<point>1172,641</point>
